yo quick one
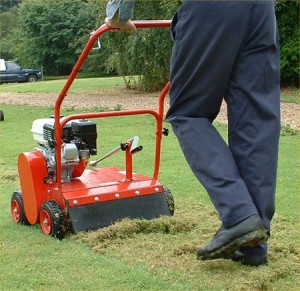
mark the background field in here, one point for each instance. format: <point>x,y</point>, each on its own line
<point>93,85</point>
<point>160,254</point>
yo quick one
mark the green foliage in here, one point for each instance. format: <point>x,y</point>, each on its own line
<point>52,33</point>
<point>5,5</point>
<point>288,22</point>
<point>146,53</point>
<point>8,22</point>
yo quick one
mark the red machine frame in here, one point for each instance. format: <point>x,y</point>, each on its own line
<point>59,124</point>
<point>86,190</point>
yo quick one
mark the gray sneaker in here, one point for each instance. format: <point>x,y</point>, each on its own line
<point>226,241</point>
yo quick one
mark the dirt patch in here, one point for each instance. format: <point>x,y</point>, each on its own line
<point>112,98</point>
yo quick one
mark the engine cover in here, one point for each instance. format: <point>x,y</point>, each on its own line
<point>37,130</point>
<point>82,133</point>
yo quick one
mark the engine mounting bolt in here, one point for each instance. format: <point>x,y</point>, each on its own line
<point>137,192</point>
<point>75,202</point>
<point>96,198</point>
<point>117,195</point>
<point>156,189</point>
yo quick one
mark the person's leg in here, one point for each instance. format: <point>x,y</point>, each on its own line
<point>208,38</point>
<point>254,114</point>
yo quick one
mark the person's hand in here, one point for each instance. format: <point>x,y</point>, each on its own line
<point>113,23</point>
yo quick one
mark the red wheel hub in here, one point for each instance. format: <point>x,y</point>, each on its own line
<point>15,211</point>
<point>45,222</point>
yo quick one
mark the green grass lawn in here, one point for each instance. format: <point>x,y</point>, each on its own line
<point>89,86</point>
<point>290,95</point>
<point>119,258</point>
<point>93,85</point>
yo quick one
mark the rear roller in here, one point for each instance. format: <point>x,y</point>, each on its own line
<point>17,209</point>
<point>52,219</point>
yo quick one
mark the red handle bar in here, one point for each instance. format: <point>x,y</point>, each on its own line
<point>59,125</point>
<point>101,30</point>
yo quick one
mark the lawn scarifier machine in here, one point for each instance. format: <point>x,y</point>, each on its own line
<point>62,189</point>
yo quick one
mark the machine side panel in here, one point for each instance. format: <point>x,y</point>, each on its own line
<point>32,172</point>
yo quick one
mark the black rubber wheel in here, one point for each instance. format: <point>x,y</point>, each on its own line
<point>1,115</point>
<point>52,219</point>
<point>17,209</point>
<point>170,200</point>
<point>32,78</point>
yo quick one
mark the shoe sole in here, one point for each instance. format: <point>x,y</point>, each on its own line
<point>250,239</point>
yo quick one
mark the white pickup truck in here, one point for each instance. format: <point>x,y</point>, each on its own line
<point>11,72</point>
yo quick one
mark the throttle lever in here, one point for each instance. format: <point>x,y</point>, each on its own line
<point>134,148</point>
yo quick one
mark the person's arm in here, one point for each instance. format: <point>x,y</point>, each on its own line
<point>119,14</point>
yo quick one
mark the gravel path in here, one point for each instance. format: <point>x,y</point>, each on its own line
<point>111,98</point>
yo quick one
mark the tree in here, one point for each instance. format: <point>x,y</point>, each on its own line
<point>146,53</point>
<point>288,22</point>
<point>51,33</point>
<point>8,22</point>
<point>6,5</point>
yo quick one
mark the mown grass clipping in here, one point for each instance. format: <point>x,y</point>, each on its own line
<point>168,245</point>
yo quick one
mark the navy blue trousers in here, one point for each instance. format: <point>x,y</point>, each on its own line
<point>228,50</point>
